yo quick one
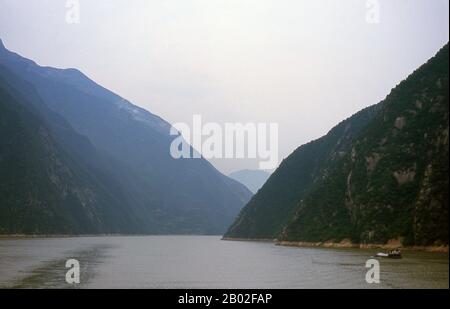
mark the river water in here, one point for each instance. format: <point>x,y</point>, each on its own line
<point>206,262</point>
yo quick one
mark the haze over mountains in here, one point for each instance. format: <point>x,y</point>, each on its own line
<point>76,158</point>
<point>252,179</point>
<point>379,176</point>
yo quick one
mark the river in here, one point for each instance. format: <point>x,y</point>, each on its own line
<point>206,262</point>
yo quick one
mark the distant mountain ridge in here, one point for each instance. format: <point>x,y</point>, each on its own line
<point>380,176</point>
<point>252,179</point>
<point>125,148</point>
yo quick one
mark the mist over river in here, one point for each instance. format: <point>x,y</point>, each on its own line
<point>206,262</point>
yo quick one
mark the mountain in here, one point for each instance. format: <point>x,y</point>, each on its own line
<point>126,149</point>
<point>379,176</point>
<point>46,188</point>
<point>252,179</point>
<point>268,212</point>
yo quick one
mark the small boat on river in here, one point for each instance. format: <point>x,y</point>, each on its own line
<point>393,254</point>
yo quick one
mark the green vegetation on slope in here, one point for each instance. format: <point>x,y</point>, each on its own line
<point>389,180</point>
<point>276,202</point>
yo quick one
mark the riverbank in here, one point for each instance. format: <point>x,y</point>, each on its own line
<point>349,245</point>
<point>346,244</point>
<point>30,236</point>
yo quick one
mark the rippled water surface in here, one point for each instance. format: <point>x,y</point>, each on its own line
<point>205,262</point>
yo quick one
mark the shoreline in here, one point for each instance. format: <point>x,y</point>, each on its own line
<point>349,245</point>
<point>345,244</point>
<point>32,236</point>
<point>29,236</point>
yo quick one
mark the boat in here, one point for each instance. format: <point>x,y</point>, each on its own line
<point>393,254</point>
<point>381,254</point>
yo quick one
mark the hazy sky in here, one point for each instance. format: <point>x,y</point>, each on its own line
<point>304,64</point>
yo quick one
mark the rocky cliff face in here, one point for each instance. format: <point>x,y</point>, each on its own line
<point>389,182</point>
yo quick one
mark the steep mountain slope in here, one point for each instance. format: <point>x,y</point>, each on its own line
<point>45,188</point>
<point>132,147</point>
<point>252,179</point>
<point>276,202</point>
<point>380,175</point>
<point>394,184</point>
